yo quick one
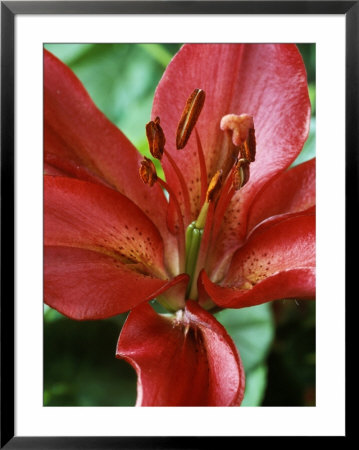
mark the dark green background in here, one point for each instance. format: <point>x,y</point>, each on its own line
<point>276,341</point>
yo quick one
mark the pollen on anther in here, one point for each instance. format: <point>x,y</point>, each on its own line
<point>214,186</point>
<point>189,117</point>
<point>249,148</point>
<point>156,138</point>
<point>148,172</point>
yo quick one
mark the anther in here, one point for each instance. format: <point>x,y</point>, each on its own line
<point>243,134</point>
<point>148,172</point>
<point>240,173</point>
<point>248,150</point>
<point>211,196</point>
<point>189,117</point>
<point>156,138</point>
<point>156,141</point>
<point>214,187</point>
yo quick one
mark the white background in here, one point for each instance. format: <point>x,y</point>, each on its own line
<point>327,418</point>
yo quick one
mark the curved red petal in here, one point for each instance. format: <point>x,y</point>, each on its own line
<point>277,261</point>
<point>267,223</point>
<point>83,284</point>
<point>293,283</point>
<point>187,360</point>
<point>292,191</point>
<point>81,142</point>
<point>75,129</point>
<point>93,217</point>
<point>226,373</point>
<point>267,81</point>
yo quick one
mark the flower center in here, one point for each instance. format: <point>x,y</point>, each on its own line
<point>195,236</point>
<point>194,233</point>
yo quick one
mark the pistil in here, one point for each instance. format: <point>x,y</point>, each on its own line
<point>193,242</point>
<point>243,137</point>
<point>197,235</point>
<point>201,234</point>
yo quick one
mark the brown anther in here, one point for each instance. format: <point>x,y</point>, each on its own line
<point>248,150</point>
<point>240,173</point>
<point>214,187</point>
<point>189,117</point>
<point>156,138</point>
<point>148,172</point>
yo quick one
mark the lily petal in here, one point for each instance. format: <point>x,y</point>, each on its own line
<point>83,284</point>
<point>277,261</point>
<point>263,80</point>
<point>292,191</point>
<point>81,142</point>
<point>76,130</point>
<point>188,360</point>
<point>93,217</point>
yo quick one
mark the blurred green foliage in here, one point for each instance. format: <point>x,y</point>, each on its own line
<point>121,80</point>
<point>252,330</point>
<point>291,363</point>
<point>80,368</point>
<point>308,54</point>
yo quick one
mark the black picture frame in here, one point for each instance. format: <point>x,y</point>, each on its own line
<point>9,10</point>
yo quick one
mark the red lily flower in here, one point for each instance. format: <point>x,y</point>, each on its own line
<point>238,230</point>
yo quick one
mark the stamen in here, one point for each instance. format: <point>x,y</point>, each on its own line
<point>214,187</point>
<point>183,184</point>
<point>202,253</point>
<point>202,166</point>
<point>248,151</point>
<point>148,172</point>
<point>156,141</point>
<point>181,234</point>
<point>156,138</point>
<point>211,196</point>
<point>149,176</point>
<point>198,234</point>
<point>189,117</point>
<point>240,173</point>
<point>235,181</point>
<point>222,204</point>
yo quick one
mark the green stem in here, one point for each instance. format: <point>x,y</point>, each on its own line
<point>192,255</point>
<point>189,233</point>
<point>158,52</point>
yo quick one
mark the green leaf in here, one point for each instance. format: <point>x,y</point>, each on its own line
<point>256,383</point>
<point>51,315</point>
<point>312,97</point>
<point>252,331</point>
<point>80,367</point>
<point>158,52</point>
<point>69,53</point>
<point>308,151</point>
